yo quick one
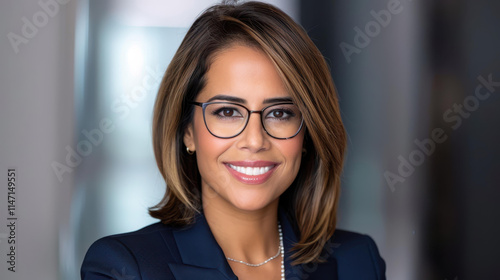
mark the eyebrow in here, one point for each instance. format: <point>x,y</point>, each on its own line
<point>277,100</point>
<point>227,98</point>
<point>243,101</point>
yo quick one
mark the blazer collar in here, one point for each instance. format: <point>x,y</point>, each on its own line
<point>202,257</point>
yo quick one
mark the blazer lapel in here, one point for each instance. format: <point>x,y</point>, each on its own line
<point>202,257</point>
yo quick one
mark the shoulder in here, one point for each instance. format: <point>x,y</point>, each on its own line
<point>146,238</point>
<point>356,255</point>
<point>123,256</point>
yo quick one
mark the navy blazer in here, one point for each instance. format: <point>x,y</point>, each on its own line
<point>159,252</point>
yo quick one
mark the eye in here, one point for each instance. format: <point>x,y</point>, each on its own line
<point>227,112</point>
<point>280,114</point>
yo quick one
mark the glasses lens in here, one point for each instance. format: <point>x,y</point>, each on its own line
<point>225,119</point>
<point>282,120</point>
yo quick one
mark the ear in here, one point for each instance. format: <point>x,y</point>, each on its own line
<point>189,137</point>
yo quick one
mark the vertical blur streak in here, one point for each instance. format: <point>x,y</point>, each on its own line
<point>480,178</point>
<point>463,232</point>
<point>36,124</point>
<point>443,231</point>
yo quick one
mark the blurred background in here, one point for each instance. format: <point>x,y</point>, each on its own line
<point>419,87</point>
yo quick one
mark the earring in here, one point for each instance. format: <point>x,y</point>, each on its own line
<point>304,151</point>
<point>189,151</point>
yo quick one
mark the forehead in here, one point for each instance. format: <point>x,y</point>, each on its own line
<point>243,72</point>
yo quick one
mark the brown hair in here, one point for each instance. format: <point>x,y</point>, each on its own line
<point>312,198</point>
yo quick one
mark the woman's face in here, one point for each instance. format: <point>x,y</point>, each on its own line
<point>250,171</point>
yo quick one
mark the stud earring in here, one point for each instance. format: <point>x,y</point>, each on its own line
<point>189,151</point>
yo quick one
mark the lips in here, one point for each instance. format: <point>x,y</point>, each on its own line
<point>251,172</point>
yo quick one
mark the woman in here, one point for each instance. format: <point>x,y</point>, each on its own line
<point>248,136</point>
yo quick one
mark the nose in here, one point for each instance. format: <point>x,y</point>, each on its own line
<point>254,138</point>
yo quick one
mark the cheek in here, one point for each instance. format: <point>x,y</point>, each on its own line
<point>291,149</point>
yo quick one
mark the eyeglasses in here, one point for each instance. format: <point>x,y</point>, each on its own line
<point>228,120</point>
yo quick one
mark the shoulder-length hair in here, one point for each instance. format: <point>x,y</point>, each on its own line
<point>312,198</point>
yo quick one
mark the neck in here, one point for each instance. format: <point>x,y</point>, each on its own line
<point>250,236</point>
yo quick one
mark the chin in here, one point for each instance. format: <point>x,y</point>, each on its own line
<point>247,202</point>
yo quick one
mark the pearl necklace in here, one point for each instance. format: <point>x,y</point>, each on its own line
<point>281,250</point>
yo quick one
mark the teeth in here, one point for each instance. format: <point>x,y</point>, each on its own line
<point>251,171</point>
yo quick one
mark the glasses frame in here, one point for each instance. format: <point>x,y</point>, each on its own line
<point>204,105</point>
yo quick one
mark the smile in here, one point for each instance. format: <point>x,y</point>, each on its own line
<point>251,171</point>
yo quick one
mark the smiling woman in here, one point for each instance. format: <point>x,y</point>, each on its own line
<point>248,137</point>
